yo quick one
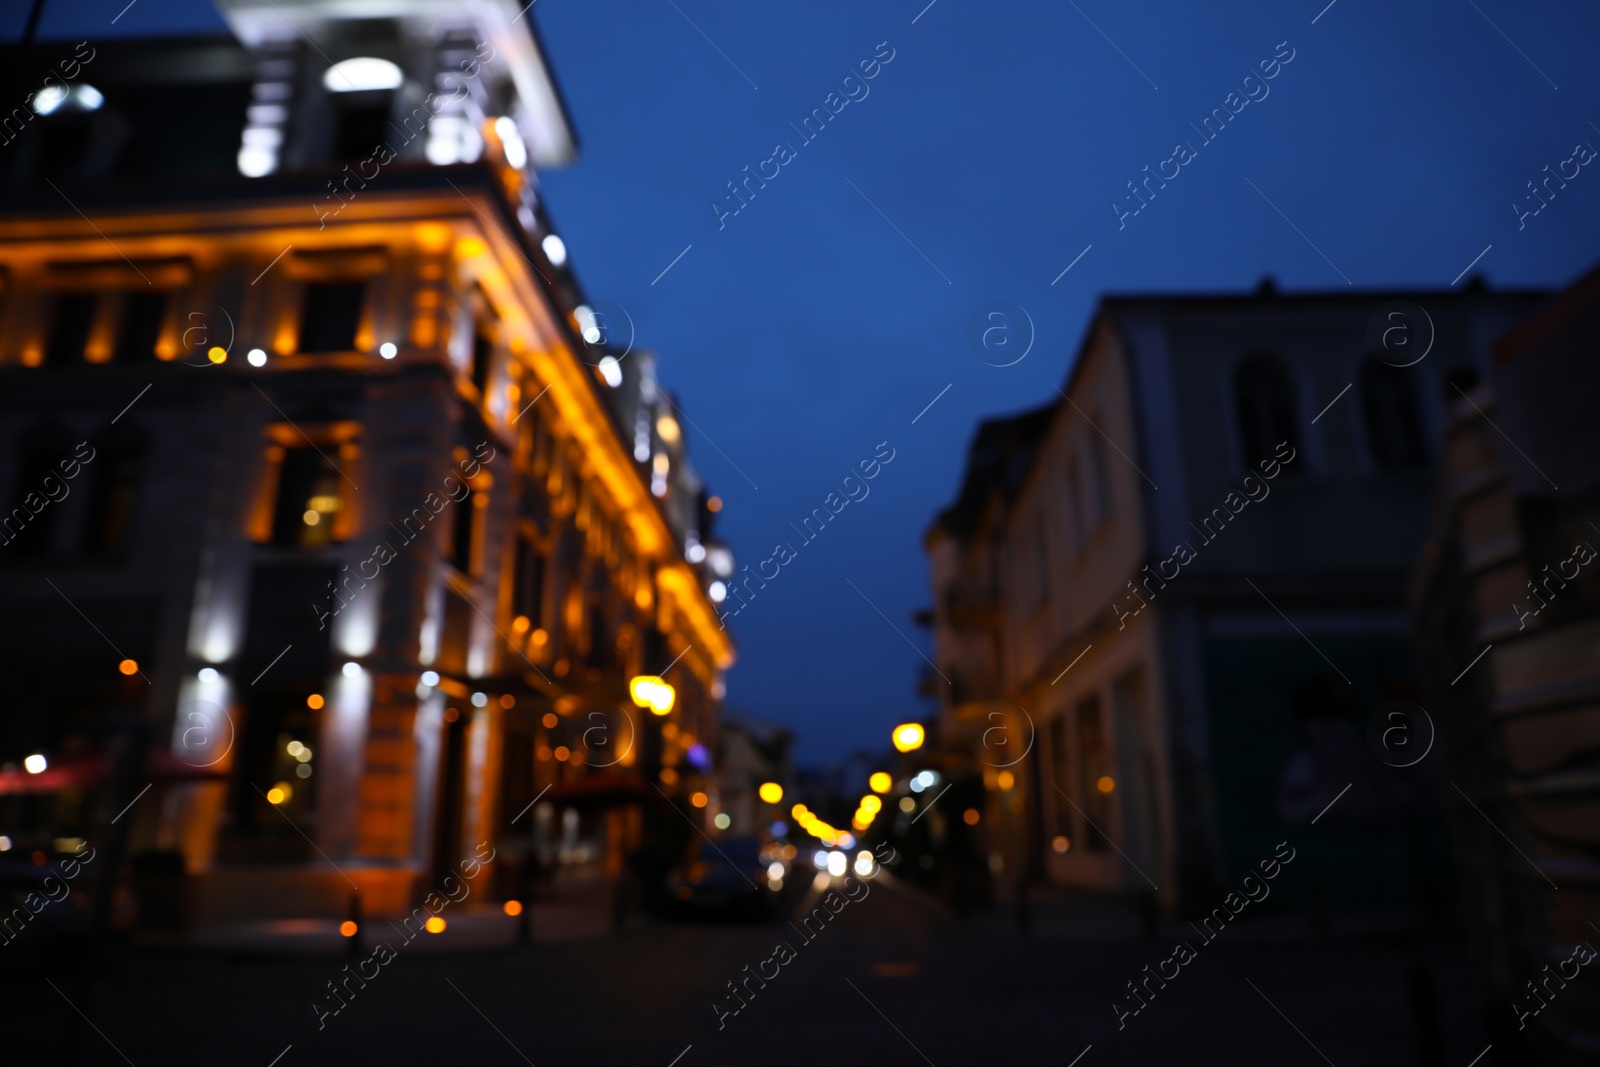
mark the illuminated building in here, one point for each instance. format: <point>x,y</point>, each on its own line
<point>1175,722</point>
<point>363,507</point>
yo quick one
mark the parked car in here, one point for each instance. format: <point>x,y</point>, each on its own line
<point>727,876</point>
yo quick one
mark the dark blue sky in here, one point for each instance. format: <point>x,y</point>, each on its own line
<point>808,330</point>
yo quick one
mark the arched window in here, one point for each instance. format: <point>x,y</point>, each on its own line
<point>1394,420</point>
<point>1264,397</point>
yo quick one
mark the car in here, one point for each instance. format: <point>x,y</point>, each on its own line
<point>729,875</point>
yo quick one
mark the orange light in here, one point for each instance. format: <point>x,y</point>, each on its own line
<point>1105,783</point>
<point>216,354</point>
<point>543,753</point>
<point>513,907</point>
<point>669,776</point>
<point>128,666</point>
<point>434,925</point>
<point>562,752</point>
<point>277,794</point>
<point>550,720</point>
<point>970,816</point>
<point>908,737</point>
<point>1005,780</point>
<point>507,701</point>
<point>451,714</point>
<point>771,792</point>
<point>880,782</point>
<point>714,504</point>
<point>540,637</point>
<point>468,247</point>
<point>520,624</point>
<point>314,701</point>
<point>348,928</point>
<point>1060,844</point>
<point>699,800</point>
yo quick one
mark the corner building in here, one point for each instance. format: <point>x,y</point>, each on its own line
<point>381,517</point>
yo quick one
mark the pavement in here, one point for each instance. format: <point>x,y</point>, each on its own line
<point>889,979</point>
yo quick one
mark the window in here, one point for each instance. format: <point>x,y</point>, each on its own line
<point>1092,777</point>
<point>482,360</point>
<point>1041,548</point>
<point>1075,506</point>
<point>141,327</point>
<point>1060,755</point>
<point>115,485</point>
<point>363,124</point>
<point>330,316</point>
<point>464,532</point>
<point>455,635</point>
<point>1264,397</point>
<point>1100,473</point>
<point>28,527</point>
<point>308,498</point>
<point>1394,423</point>
<point>527,583</point>
<point>69,329</point>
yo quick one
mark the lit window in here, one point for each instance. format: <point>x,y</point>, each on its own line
<point>308,499</point>
<point>361,74</point>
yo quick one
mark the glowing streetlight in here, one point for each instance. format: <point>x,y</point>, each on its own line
<point>880,782</point>
<point>908,737</point>
<point>649,691</point>
<point>771,792</point>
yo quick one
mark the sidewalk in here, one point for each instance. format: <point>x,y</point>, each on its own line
<point>1056,911</point>
<point>468,928</point>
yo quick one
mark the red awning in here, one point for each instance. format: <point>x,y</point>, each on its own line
<point>88,771</point>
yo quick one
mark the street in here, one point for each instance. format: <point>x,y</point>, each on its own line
<point>890,980</point>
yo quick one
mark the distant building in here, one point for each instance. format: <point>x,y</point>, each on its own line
<point>1168,601</point>
<point>310,426</point>
<point>1506,606</point>
<point>753,754</point>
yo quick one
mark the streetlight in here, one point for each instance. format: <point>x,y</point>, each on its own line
<point>649,691</point>
<point>880,782</point>
<point>771,792</point>
<point>908,737</point>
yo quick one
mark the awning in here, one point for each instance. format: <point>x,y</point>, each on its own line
<point>88,771</point>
